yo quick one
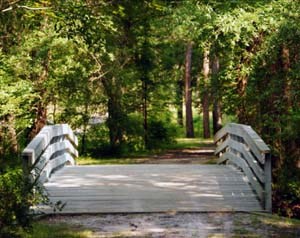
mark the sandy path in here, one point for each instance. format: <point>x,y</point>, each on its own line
<point>182,225</point>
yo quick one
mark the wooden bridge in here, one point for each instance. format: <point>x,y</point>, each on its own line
<point>240,182</point>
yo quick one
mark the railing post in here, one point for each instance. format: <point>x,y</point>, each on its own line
<point>25,165</point>
<point>27,160</point>
<point>268,182</point>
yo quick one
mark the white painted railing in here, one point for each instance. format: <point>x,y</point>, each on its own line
<point>53,147</point>
<point>241,146</point>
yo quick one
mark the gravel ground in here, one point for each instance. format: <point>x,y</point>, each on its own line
<point>182,225</point>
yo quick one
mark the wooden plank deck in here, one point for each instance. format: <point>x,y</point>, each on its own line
<point>151,188</point>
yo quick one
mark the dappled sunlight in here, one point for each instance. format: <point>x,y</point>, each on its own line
<point>199,151</point>
<point>279,222</point>
<point>167,185</point>
<point>206,195</point>
<point>151,188</point>
<point>110,177</point>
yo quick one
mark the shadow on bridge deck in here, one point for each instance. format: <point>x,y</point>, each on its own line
<point>151,188</point>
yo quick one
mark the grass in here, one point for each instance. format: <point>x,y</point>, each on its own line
<point>276,221</point>
<point>190,143</point>
<point>265,225</point>
<point>87,160</point>
<point>43,230</point>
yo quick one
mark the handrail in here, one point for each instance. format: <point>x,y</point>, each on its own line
<point>241,146</point>
<point>53,147</point>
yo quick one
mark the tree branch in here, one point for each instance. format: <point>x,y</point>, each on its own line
<point>25,7</point>
<point>33,8</point>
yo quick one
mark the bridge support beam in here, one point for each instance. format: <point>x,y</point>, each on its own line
<point>268,183</point>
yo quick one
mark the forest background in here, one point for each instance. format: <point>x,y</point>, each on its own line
<point>147,71</point>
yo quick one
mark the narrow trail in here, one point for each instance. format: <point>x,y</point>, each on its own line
<point>201,155</point>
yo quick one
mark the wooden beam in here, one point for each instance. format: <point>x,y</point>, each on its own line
<point>257,145</point>
<point>268,184</point>
<point>50,141</point>
<point>247,156</point>
<point>229,156</point>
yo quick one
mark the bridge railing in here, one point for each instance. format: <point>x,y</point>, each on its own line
<point>52,148</point>
<point>241,146</point>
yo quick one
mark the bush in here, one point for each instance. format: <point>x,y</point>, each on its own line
<point>17,195</point>
<point>16,198</point>
<point>286,196</point>
<point>134,134</point>
<point>160,133</point>
<point>97,140</point>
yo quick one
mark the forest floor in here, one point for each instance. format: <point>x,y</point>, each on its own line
<point>185,151</point>
<point>204,155</point>
<point>172,225</point>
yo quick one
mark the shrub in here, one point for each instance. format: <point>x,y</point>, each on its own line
<point>160,133</point>
<point>134,133</point>
<point>97,140</point>
<point>286,197</point>
<point>15,202</point>
<point>17,195</point>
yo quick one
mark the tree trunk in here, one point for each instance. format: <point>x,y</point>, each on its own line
<point>242,79</point>
<point>85,123</point>
<point>291,145</point>
<point>286,65</point>
<point>40,119</point>
<point>205,95</point>
<point>188,92</point>
<point>179,102</point>
<point>242,82</point>
<point>41,105</point>
<point>8,137</point>
<point>217,114</point>
<point>116,116</point>
<point>12,135</point>
<point>145,111</point>
<point>114,122</point>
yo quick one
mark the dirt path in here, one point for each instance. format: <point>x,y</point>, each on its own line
<point>203,155</point>
<point>183,225</point>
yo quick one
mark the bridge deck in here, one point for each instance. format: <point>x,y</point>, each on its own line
<point>151,188</point>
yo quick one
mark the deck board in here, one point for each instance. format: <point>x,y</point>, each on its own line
<point>150,188</point>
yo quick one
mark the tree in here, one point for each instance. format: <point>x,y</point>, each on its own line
<point>216,88</point>
<point>188,92</point>
<point>205,93</point>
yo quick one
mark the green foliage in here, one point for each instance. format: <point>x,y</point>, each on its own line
<point>44,230</point>
<point>17,196</point>
<point>97,140</point>
<point>287,193</point>
<point>98,143</point>
<point>161,133</point>
<point>134,132</point>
